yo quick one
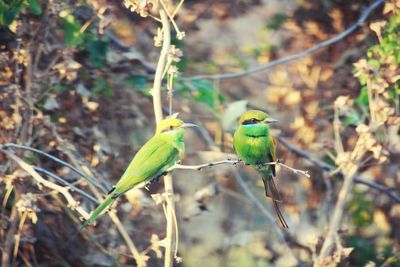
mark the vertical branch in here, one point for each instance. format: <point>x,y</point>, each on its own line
<point>334,224</point>
<point>168,185</point>
<point>336,129</point>
<point>371,104</point>
<point>156,92</point>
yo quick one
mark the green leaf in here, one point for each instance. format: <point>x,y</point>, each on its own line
<point>363,251</point>
<point>374,63</point>
<point>363,78</point>
<point>97,52</point>
<point>362,210</point>
<point>59,88</point>
<point>35,7</point>
<point>207,94</point>
<point>139,83</point>
<point>201,91</point>
<point>362,99</point>
<point>71,28</point>
<point>101,86</point>
<point>277,21</point>
<point>353,118</point>
<point>9,11</point>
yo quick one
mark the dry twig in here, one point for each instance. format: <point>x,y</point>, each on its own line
<point>328,168</point>
<point>41,181</point>
<point>364,15</point>
<point>235,162</point>
<point>156,92</point>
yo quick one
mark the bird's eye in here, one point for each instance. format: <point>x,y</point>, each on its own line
<point>171,127</point>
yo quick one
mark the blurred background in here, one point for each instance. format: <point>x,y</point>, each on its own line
<point>75,81</point>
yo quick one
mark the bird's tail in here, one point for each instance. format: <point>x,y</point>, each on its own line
<point>103,205</point>
<point>272,192</point>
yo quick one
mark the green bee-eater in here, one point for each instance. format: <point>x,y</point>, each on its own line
<point>255,146</point>
<point>155,157</point>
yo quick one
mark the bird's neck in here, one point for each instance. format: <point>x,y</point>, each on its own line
<point>255,130</point>
<point>176,135</point>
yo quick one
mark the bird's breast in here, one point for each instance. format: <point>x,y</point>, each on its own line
<point>252,149</point>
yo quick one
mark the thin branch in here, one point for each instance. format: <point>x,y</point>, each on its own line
<point>204,165</point>
<point>260,206</point>
<point>61,180</point>
<point>140,260</point>
<point>326,167</point>
<point>156,92</point>
<point>364,15</point>
<point>41,181</point>
<point>331,236</point>
<point>235,162</point>
<point>9,236</point>
<point>66,164</point>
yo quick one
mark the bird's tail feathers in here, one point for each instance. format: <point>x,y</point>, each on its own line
<point>103,205</point>
<point>272,192</point>
<point>270,188</point>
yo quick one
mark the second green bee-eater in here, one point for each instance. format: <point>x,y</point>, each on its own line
<point>256,146</point>
<point>155,157</point>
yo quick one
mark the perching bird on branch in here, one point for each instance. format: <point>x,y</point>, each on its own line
<point>256,146</point>
<point>155,157</point>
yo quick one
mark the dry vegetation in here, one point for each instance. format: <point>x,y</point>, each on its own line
<point>82,84</point>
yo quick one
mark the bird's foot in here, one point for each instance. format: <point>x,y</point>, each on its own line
<point>153,181</point>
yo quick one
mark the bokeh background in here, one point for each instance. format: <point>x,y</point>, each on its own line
<point>75,82</point>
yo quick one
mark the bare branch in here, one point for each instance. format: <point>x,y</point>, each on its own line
<point>204,165</point>
<point>326,167</point>
<point>156,92</point>
<point>61,180</point>
<point>66,164</point>
<point>235,162</point>
<point>41,181</point>
<point>364,15</point>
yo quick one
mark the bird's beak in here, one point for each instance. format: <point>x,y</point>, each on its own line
<point>188,125</point>
<point>270,120</point>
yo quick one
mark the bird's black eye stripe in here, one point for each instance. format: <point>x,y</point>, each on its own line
<point>251,121</point>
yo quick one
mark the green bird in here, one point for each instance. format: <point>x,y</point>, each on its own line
<point>255,146</point>
<point>153,160</point>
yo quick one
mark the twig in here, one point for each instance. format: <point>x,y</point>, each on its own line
<point>140,260</point>
<point>41,181</point>
<point>350,169</point>
<point>364,15</point>
<point>260,206</point>
<point>9,238</point>
<point>18,235</point>
<point>326,167</point>
<point>204,165</point>
<point>235,162</point>
<point>73,187</point>
<point>156,92</point>
<point>66,164</point>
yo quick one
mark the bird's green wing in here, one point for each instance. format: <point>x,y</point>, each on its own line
<point>153,159</point>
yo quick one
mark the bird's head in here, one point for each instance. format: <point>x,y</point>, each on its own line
<point>255,117</point>
<point>170,124</point>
